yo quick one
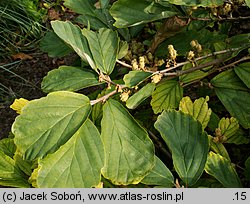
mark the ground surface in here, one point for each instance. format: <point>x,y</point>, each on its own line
<point>23,81</point>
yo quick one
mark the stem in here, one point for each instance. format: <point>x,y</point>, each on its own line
<point>234,63</point>
<point>158,143</point>
<point>124,64</point>
<point>216,19</point>
<point>197,59</point>
<point>103,98</point>
<point>182,72</point>
<point>220,68</point>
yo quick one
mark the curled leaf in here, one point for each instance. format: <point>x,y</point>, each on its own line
<point>18,105</point>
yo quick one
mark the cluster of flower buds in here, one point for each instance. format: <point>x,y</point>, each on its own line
<point>196,46</point>
<point>227,8</point>
<point>156,78</point>
<point>125,95</point>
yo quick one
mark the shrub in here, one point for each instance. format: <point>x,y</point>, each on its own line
<point>169,83</point>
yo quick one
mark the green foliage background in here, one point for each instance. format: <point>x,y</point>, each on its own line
<point>158,113</point>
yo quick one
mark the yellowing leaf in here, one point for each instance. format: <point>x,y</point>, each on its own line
<point>100,185</point>
<point>228,126</point>
<point>18,105</point>
<point>199,109</point>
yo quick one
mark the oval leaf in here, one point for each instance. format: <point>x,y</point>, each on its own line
<point>140,96</point>
<point>54,46</point>
<point>131,13</point>
<point>76,164</point>
<point>188,143</point>
<point>167,95</point>
<point>135,77</point>
<point>228,79</point>
<point>67,78</point>
<point>160,175</point>
<point>199,109</point>
<point>243,72</point>
<point>222,169</point>
<point>47,123</point>
<point>72,35</point>
<point>104,47</point>
<point>129,153</point>
<point>234,95</point>
<point>237,103</point>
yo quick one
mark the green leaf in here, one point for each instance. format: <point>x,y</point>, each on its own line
<point>206,3</point>
<point>237,103</point>
<point>140,96</point>
<point>123,49</point>
<point>8,147</point>
<point>187,142</point>
<point>47,123</point>
<point>222,169</point>
<point>67,78</point>
<point>76,164</point>
<point>135,77</point>
<point>247,3</point>
<point>10,174</point>
<point>199,109</point>
<point>129,153</point>
<point>80,6</point>
<point>243,72</point>
<point>54,46</point>
<point>89,20</point>
<point>234,95</point>
<point>104,47</point>
<point>24,165</point>
<point>91,16</point>
<point>247,169</point>
<point>72,35</point>
<point>228,79</point>
<point>160,175</point>
<point>203,36</point>
<point>218,148</point>
<point>198,74</point>
<point>131,13</point>
<point>104,3</point>
<point>213,122</point>
<point>239,138</point>
<point>167,95</point>
<point>208,183</point>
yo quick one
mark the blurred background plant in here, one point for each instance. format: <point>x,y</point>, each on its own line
<point>23,23</point>
<point>20,25</point>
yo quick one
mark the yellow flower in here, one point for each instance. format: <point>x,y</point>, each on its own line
<point>19,104</point>
<point>124,96</point>
<point>172,52</point>
<point>156,78</point>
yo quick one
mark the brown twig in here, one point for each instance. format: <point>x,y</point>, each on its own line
<point>196,59</point>
<point>201,66</point>
<point>103,98</point>
<point>220,68</point>
<point>124,64</point>
<point>216,19</point>
<point>234,63</point>
<point>158,143</point>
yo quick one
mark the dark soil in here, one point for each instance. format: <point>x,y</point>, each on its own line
<point>23,82</point>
